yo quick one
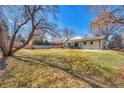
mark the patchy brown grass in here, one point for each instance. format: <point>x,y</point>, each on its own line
<point>64,68</point>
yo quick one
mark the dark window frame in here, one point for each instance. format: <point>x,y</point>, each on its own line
<point>91,42</point>
<point>69,44</point>
<point>85,43</point>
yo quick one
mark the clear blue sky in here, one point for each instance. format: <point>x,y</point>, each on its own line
<point>75,17</point>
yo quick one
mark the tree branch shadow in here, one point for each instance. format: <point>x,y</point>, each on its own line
<point>67,70</point>
<point>3,63</point>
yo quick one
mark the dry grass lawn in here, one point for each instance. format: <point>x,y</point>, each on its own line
<point>64,68</point>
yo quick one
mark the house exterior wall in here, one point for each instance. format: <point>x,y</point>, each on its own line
<point>91,44</point>
<point>96,44</point>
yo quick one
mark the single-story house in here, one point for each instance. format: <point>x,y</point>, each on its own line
<point>57,44</point>
<point>97,42</point>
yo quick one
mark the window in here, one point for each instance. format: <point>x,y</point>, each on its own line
<point>85,43</point>
<point>76,44</point>
<point>91,42</point>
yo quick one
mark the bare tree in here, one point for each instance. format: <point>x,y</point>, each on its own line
<point>58,35</point>
<point>68,33</point>
<point>63,34</point>
<point>111,11</point>
<point>106,23</point>
<point>25,19</point>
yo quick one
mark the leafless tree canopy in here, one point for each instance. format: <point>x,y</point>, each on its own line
<point>64,34</point>
<point>68,33</point>
<point>108,20</point>
<point>23,20</point>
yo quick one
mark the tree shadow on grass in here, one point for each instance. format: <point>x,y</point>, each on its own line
<point>3,63</point>
<point>39,61</point>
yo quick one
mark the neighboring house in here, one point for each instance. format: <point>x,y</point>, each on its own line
<point>57,44</point>
<point>86,43</point>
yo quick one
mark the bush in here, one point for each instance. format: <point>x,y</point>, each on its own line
<point>40,42</point>
<point>116,42</point>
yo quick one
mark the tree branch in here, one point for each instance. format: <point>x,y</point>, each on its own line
<point>15,33</point>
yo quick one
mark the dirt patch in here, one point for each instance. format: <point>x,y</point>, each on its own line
<point>120,77</point>
<point>121,72</point>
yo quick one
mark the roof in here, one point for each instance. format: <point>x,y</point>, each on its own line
<point>87,39</point>
<point>56,42</point>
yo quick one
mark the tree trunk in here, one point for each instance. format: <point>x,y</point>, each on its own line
<point>7,54</point>
<point>106,43</point>
<point>10,53</point>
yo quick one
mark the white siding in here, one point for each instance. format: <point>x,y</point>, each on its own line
<point>97,44</point>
